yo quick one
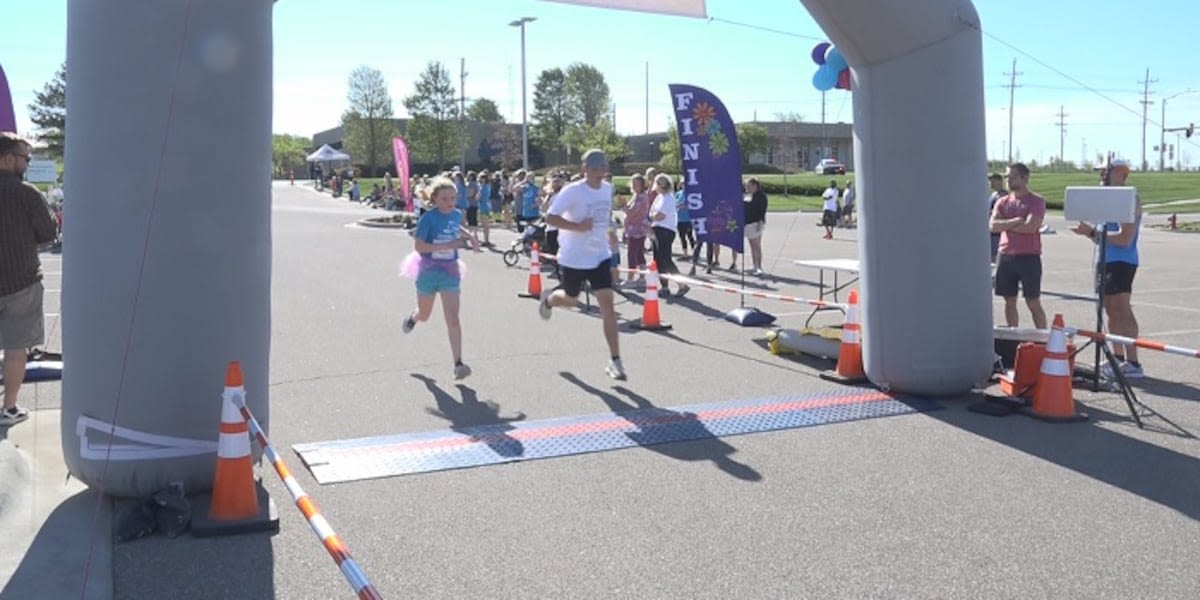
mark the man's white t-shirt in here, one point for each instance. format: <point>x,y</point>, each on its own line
<point>831,199</point>
<point>665,204</point>
<point>578,201</point>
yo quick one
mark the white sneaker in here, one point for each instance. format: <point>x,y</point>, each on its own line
<point>461,371</point>
<point>1132,371</point>
<point>409,323</point>
<point>14,415</point>
<point>615,369</point>
<point>1129,370</point>
<point>544,307</point>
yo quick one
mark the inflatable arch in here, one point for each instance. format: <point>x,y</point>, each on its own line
<point>177,277</point>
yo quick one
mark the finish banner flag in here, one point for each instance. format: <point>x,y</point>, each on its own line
<point>712,166</point>
<point>400,153</point>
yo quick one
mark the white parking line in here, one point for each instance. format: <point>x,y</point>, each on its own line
<point>1136,304</point>
<point>1137,292</point>
<point>1158,334</point>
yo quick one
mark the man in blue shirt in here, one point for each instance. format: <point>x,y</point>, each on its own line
<point>1120,265</point>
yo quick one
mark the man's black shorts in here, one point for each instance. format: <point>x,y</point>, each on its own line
<point>1118,277</point>
<point>472,216</point>
<point>829,218</point>
<point>1023,269</point>
<point>600,278</point>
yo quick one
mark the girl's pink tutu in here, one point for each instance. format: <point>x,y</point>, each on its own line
<point>410,267</point>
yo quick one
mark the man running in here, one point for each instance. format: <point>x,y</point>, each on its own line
<point>582,212</point>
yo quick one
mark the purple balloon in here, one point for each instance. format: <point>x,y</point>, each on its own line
<point>818,52</point>
<point>8,117</point>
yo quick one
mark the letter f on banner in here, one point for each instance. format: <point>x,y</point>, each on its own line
<point>712,159</point>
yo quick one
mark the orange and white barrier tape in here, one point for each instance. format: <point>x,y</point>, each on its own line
<point>332,542</point>
<point>739,291</point>
<point>1140,343</point>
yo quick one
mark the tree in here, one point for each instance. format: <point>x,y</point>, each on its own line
<point>289,152</point>
<point>554,113</point>
<point>507,143</point>
<point>434,133</point>
<point>752,139</point>
<point>484,110</point>
<point>368,123</point>
<point>789,117</point>
<point>600,135</point>
<point>589,93</point>
<point>49,113</point>
<point>671,162</point>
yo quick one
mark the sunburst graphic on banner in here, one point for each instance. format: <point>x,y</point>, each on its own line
<point>703,113</point>
<point>718,144</point>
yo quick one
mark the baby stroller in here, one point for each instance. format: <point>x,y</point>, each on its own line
<point>534,233</point>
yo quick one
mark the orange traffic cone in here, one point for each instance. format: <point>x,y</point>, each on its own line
<point>1052,397</point>
<point>534,288</point>
<point>238,504</point>
<point>651,319</point>
<point>850,362</point>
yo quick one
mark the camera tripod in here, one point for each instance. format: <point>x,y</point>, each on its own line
<point>1101,346</point>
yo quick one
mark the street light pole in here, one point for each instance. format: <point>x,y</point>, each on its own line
<point>524,119</point>
<point>1163,133</point>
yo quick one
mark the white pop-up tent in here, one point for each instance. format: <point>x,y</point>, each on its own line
<point>327,154</point>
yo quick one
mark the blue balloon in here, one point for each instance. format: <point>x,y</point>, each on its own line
<point>834,60</point>
<point>825,78</point>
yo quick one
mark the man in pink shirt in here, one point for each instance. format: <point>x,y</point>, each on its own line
<point>1018,217</point>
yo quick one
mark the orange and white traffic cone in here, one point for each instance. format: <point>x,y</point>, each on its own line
<point>651,319</point>
<point>850,362</point>
<point>533,289</point>
<point>238,503</point>
<point>1053,398</point>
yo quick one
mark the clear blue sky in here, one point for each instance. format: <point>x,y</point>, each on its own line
<point>1065,46</point>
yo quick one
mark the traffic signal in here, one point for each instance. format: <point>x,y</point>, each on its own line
<point>1190,130</point>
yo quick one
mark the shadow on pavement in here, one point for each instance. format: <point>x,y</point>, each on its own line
<point>53,566</point>
<point>657,425</point>
<point>479,420</point>
<point>1153,472</point>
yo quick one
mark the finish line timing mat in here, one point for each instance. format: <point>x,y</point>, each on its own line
<point>408,453</point>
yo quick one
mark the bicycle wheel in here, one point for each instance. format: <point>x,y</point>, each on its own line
<point>511,257</point>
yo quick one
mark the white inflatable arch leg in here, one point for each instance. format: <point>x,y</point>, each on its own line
<point>169,158</point>
<point>920,154</point>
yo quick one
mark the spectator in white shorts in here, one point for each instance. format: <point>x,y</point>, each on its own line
<point>756,221</point>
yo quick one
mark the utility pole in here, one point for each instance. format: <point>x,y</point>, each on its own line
<point>647,97</point>
<point>1146,102</point>
<point>1012,94</point>
<point>824,130</point>
<point>462,112</point>
<point>1062,137</point>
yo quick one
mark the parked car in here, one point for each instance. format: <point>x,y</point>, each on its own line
<point>829,166</point>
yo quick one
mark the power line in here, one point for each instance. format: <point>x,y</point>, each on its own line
<point>767,29</point>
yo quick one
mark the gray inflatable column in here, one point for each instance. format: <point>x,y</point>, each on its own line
<point>920,154</point>
<point>167,263</point>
